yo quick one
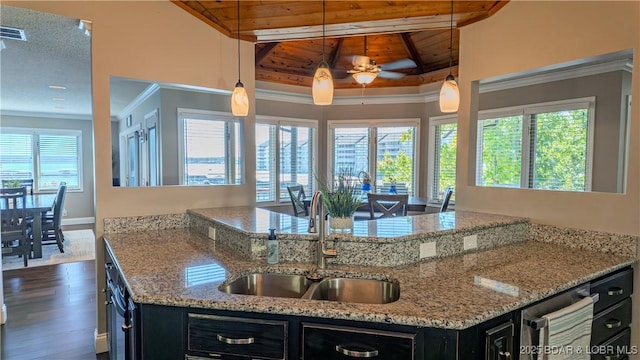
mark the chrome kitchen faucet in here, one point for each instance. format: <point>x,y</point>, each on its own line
<point>322,253</point>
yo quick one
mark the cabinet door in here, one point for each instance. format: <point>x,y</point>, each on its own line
<point>499,342</point>
<point>612,289</point>
<point>321,342</point>
<point>611,321</point>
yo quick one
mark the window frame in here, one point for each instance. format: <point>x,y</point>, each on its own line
<point>527,111</point>
<point>229,148</point>
<point>372,125</point>
<point>278,121</point>
<point>435,121</point>
<point>35,134</point>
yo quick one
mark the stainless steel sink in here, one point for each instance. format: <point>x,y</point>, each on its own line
<point>354,291</point>
<point>277,285</point>
<point>364,291</point>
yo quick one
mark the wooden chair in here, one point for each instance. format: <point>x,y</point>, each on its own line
<point>52,227</point>
<point>27,183</point>
<point>296,193</point>
<point>447,196</point>
<point>387,205</point>
<point>15,232</point>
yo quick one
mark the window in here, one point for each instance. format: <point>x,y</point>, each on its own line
<point>210,148</point>
<point>47,156</point>
<point>443,140</point>
<point>386,150</point>
<point>285,156</point>
<point>543,146</point>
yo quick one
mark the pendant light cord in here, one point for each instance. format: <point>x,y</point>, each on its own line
<point>323,21</point>
<point>451,39</point>
<point>238,40</point>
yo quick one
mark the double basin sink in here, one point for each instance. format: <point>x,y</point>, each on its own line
<point>310,287</point>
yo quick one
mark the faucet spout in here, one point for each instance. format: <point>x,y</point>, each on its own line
<point>317,211</point>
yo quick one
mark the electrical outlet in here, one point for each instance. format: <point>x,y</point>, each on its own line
<point>212,233</point>
<point>470,242</point>
<point>427,249</point>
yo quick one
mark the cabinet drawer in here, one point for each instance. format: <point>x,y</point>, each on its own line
<point>323,342</point>
<point>611,321</point>
<point>214,336</point>
<point>613,349</point>
<point>612,289</point>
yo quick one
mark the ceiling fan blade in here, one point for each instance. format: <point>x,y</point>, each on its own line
<point>391,75</point>
<point>400,64</point>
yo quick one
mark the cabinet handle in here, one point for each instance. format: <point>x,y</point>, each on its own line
<point>504,355</point>
<point>615,291</point>
<point>613,323</point>
<point>230,341</point>
<point>126,327</point>
<point>612,357</point>
<point>357,354</point>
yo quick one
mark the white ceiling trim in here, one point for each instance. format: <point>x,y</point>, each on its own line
<point>45,115</point>
<point>295,98</point>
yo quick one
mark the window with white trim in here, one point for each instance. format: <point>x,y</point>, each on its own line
<point>384,149</point>
<point>443,143</point>
<point>542,146</point>
<point>46,155</point>
<point>285,156</point>
<point>209,147</point>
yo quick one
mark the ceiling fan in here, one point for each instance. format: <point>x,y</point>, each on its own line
<point>365,69</point>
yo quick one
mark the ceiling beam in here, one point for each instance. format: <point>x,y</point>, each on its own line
<point>333,58</point>
<point>264,51</point>
<point>413,52</point>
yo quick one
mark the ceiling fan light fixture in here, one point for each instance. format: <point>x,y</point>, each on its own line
<point>239,97</point>
<point>322,88</point>
<point>365,77</point>
<point>449,93</point>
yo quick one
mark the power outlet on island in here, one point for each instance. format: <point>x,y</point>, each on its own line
<point>470,242</point>
<point>212,233</point>
<point>427,249</point>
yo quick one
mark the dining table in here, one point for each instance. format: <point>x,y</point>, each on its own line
<point>35,205</point>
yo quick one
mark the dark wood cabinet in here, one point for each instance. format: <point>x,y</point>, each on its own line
<point>321,342</point>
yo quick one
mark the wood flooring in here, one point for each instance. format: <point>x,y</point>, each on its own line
<point>51,313</point>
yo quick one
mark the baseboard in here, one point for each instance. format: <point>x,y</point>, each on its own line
<point>3,314</point>
<point>100,342</point>
<point>79,221</point>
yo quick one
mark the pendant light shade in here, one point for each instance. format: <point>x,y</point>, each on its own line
<point>322,88</point>
<point>449,93</point>
<point>239,98</point>
<point>365,77</point>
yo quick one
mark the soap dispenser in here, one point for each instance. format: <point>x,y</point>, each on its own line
<point>273,252</point>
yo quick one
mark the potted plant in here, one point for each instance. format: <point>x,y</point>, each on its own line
<point>341,200</point>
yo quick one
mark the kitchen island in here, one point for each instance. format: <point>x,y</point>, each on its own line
<point>183,269</point>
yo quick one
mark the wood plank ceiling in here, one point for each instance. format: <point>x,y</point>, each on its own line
<point>288,35</point>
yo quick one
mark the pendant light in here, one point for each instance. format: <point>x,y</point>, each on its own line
<point>239,98</point>
<point>449,93</point>
<point>322,88</point>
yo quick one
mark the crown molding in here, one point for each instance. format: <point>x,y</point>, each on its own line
<point>297,98</point>
<point>45,115</point>
<point>557,75</point>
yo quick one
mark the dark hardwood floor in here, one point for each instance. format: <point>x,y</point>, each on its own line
<point>51,313</point>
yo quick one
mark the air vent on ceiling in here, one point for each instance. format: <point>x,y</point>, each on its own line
<point>12,33</point>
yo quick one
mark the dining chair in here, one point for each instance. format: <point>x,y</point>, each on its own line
<point>387,205</point>
<point>447,197</point>
<point>28,183</point>
<point>296,193</point>
<point>15,233</point>
<point>52,226</point>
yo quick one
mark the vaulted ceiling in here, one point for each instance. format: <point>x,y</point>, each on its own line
<point>289,44</point>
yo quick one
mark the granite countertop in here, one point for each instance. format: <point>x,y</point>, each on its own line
<point>182,268</point>
<point>255,222</point>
